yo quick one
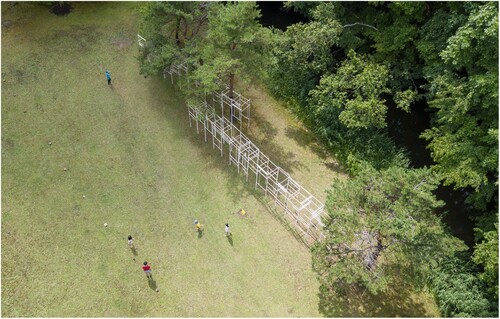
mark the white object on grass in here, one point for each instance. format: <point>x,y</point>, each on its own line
<point>141,40</point>
<point>105,224</point>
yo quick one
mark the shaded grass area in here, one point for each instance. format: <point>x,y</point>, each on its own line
<point>129,149</point>
<point>399,301</point>
<point>289,144</point>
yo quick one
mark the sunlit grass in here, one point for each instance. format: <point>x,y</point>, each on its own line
<point>142,169</point>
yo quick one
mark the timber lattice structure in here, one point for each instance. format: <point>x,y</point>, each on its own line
<point>300,207</point>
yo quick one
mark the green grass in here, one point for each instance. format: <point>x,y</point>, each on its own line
<point>143,170</point>
<point>146,173</point>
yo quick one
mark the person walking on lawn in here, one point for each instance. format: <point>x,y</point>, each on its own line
<point>108,76</point>
<point>130,242</point>
<point>147,270</point>
<point>199,226</point>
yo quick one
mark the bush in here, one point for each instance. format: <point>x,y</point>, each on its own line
<point>458,292</point>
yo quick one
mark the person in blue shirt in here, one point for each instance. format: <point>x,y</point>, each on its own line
<point>108,76</point>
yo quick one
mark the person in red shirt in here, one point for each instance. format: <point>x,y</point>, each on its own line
<point>147,270</point>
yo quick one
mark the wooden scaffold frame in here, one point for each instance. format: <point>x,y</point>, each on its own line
<point>299,206</point>
<point>141,41</point>
<point>239,106</point>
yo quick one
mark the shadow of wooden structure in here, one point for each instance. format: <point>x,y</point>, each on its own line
<point>299,207</point>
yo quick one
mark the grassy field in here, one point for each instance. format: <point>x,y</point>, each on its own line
<point>130,151</point>
<point>142,170</point>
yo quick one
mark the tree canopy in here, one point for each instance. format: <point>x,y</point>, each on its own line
<point>486,255</point>
<point>170,27</point>
<point>355,89</point>
<point>218,41</point>
<point>442,56</point>
<point>380,221</point>
<point>464,135</point>
<point>235,44</point>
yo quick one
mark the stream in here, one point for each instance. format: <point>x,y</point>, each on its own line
<point>405,129</point>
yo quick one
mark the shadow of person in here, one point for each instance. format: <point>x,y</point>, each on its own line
<point>200,233</point>
<point>230,240</point>
<point>134,251</point>
<point>152,284</point>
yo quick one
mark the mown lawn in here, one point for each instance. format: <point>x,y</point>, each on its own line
<point>130,151</point>
<point>142,169</point>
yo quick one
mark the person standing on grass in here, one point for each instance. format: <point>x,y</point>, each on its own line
<point>198,225</point>
<point>228,232</point>
<point>108,76</point>
<point>130,242</point>
<point>147,270</point>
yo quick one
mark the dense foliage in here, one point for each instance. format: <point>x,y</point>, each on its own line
<point>486,255</point>
<point>171,29</point>
<point>373,56</point>
<point>458,291</point>
<point>381,221</point>
<point>355,90</point>
<point>464,134</point>
<point>235,44</point>
<point>217,41</point>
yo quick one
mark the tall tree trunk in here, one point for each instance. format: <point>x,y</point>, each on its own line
<point>231,85</point>
<point>177,29</point>
<point>372,257</point>
<point>201,21</point>
<point>185,28</point>
<point>231,75</point>
<point>231,88</point>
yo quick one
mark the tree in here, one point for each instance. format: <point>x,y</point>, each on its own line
<point>434,34</point>
<point>170,27</point>
<point>302,7</point>
<point>345,109</point>
<point>356,90</point>
<point>302,54</point>
<point>443,52</point>
<point>486,255</point>
<point>235,43</point>
<point>464,133</point>
<point>381,223</point>
<point>458,291</point>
